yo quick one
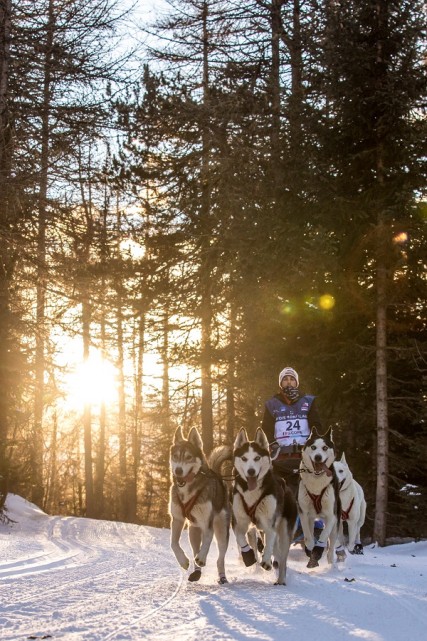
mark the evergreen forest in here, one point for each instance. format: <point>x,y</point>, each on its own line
<point>193,195</point>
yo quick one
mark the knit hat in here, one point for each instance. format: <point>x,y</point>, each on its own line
<point>288,371</point>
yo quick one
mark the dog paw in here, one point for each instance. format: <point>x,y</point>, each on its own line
<point>185,563</point>
<point>315,555</point>
<point>249,558</point>
<point>313,563</point>
<point>222,580</point>
<point>266,565</point>
<point>358,549</point>
<point>280,583</point>
<point>200,562</point>
<point>195,575</point>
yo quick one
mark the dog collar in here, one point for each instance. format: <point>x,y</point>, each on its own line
<point>327,471</point>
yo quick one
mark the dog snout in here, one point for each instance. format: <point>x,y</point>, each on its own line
<point>251,472</point>
<point>179,471</point>
<point>318,458</point>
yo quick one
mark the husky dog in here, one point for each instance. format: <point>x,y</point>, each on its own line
<point>318,495</point>
<point>263,500</point>
<point>199,496</point>
<point>353,506</point>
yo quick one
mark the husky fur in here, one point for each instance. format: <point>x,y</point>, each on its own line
<point>264,500</point>
<point>353,506</point>
<point>318,495</point>
<point>198,496</point>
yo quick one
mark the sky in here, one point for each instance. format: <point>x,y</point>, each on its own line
<point>79,579</point>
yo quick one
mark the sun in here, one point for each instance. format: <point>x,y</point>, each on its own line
<point>93,382</point>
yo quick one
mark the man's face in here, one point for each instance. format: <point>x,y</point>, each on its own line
<point>288,381</point>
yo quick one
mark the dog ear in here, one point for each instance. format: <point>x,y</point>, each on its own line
<point>241,438</point>
<point>261,439</point>
<point>178,437</point>
<point>343,459</point>
<point>195,438</point>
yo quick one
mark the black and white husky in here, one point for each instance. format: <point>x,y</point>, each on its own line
<point>318,496</point>
<point>353,506</point>
<point>199,496</point>
<point>261,499</point>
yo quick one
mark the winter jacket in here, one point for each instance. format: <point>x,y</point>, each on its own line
<point>290,423</point>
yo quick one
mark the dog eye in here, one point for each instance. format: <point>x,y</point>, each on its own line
<point>244,459</point>
<point>325,448</point>
<point>257,458</point>
<point>313,447</point>
<point>188,458</point>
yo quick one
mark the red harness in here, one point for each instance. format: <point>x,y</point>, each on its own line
<point>317,499</point>
<point>187,507</point>
<point>346,513</point>
<point>250,511</point>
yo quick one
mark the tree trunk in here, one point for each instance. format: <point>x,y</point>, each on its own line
<point>138,420</point>
<point>50,498</point>
<point>205,268</point>
<point>123,467</point>
<point>84,286</point>
<point>231,378</point>
<point>5,260</point>
<point>38,444</point>
<point>382,408</point>
<point>87,413</point>
<point>381,499</point>
<point>295,110</point>
<point>276,29</point>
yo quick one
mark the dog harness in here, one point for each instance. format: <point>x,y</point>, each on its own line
<point>317,499</point>
<point>187,507</point>
<point>250,511</point>
<point>345,514</point>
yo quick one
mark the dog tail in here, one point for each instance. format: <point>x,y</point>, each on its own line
<point>219,456</point>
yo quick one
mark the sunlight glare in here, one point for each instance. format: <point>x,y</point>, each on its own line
<point>93,382</point>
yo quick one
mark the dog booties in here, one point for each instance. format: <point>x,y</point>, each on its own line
<point>315,556</point>
<point>248,557</point>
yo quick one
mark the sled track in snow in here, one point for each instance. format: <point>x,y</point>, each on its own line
<point>147,615</point>
<point>98,569</point>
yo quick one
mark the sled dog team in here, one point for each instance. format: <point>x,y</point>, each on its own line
<point>263,510</point>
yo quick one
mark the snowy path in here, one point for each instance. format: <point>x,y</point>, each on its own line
<point>79,579</point>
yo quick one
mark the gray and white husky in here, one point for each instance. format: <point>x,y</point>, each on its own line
<point>264,500</point>
<point>199,496</point>
<point>318,496</point>
<point>353,506</point>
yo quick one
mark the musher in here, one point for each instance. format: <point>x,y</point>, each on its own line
<point>289,417</point>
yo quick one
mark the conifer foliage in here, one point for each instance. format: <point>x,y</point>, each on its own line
<point>243,192</point>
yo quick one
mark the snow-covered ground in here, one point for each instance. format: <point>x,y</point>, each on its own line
<point>79,579</point>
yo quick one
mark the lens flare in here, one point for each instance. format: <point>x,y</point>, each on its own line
<point>326,302</point>
<point>400,238</point>
<point>287,308</point>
